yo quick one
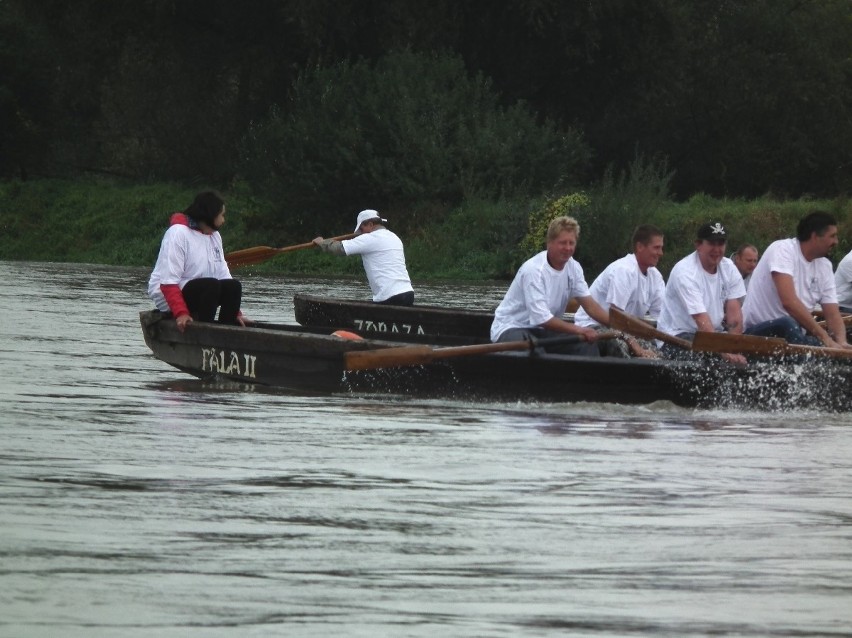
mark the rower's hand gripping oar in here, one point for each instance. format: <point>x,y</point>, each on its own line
<point>633,325</point>
<point>638,328</point>
<point>259,254</point>
<point>847,321</point>
<point>418,355</point>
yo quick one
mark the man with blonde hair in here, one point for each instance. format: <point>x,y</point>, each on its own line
<point>541,290</point>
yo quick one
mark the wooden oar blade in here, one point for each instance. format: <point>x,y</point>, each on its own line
<point>419,355</point>
<point>819,351</point>
<point>738,344</point>
<point>387,357</point>
<point>761,346</point>
<point>259,254</point>
<point>627,323</point>
<point>250,256</point>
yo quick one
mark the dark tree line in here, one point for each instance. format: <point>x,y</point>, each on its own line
<point>741,97</point>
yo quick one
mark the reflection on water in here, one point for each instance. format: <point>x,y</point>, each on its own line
<point>138,501</point>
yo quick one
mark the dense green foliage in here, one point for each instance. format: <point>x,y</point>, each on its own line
<point>573,205</point>
<point>463,121</point>
<point>100,221</point>
<point>743,98</point>
<point>104,221</point>
<point>410,131</point>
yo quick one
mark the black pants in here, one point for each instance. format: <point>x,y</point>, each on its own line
<point>402,299</point>
<point>204,296</point>
<point>582,348</point>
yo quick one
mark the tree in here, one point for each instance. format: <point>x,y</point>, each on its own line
<point>409,128</point>
<point>26,107</point>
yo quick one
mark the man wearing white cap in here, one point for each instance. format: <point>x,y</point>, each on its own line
<point>382,255</point>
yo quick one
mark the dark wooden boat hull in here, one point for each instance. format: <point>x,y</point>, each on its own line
<point>266,356</point>
<point>416,324</point>
<point>304,360</point>
<point>292,358</point>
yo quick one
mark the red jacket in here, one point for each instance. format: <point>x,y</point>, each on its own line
<point>172,292</point>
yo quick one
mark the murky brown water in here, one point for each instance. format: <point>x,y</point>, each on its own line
<point>137,501</point>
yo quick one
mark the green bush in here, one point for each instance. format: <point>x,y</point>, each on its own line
<point>617,204</point>
<point>410,129</point>
<point>103,221</point>
<point>113,222</point>
<point>539,220</point>
<point>476,241</point>
<point>758,221</point>
<point>607,213</point>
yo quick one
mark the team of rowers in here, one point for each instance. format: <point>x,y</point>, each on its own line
<point>705,290</point>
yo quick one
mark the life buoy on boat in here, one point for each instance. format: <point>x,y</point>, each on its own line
<point>345,334</point>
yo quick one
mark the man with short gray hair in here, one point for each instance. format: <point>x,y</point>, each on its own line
<point>745,259</point>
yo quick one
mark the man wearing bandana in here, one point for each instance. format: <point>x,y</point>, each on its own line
<point>703,292</point>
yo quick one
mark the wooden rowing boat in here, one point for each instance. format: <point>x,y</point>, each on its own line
<point>301,359</point>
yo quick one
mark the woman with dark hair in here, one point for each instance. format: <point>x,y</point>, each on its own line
<point>191,279</point>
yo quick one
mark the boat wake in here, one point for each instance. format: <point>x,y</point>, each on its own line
<point>811,383</point>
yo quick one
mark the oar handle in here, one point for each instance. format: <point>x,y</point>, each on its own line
<point>543,342</point>
<point>310,244</point>
<point>418,355</point>
<point>642,329</point>
<point>847,321</point>
<point>259,254</point>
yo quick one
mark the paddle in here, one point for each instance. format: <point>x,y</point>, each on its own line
<point>761,346</point>
<point>638,328</point>
<point>847,321</point>
<point>258,254</point>
<point>418,355</point>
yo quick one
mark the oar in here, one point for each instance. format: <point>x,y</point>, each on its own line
<point>847,321</point>
<point>642,329</point>
<point>258,254</point>
<point>761,346</point>
<point>418,355</point>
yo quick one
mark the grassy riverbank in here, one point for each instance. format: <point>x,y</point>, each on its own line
<point>110,222</point>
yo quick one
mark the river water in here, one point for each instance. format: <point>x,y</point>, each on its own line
<point>138,501</point>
